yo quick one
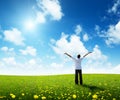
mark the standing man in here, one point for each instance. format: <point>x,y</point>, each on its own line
<point>78,68</point>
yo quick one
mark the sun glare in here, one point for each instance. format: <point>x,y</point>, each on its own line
<point>29,25</point>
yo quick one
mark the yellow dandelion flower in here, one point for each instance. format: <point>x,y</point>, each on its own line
<point>94,96</point>
<point>35,96</point>
<point>89,93</point>
<point>43,98</point>
<point>74,96</point>
<point>22,94</point>
<point>114,98</point>
<point>2,97</point>
<point>13,96</point>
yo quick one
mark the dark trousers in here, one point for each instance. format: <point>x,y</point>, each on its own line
<point>78,73</point>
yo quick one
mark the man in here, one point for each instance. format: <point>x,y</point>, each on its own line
<point>78,68</point>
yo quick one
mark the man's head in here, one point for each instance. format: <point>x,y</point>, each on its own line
<point>78,56</point>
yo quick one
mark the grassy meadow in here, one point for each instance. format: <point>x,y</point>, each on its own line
<point>60,87</point>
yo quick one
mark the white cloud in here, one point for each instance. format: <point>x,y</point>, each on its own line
<point>97,62</point>
<point>48,8</point>
<point>97,55</point>
<point>100,33</point>
<point>78,29</point>
<point>85,37</point>
<point>107,68</point>
<point>29,51</point>
<point>14,36</point>
<point>6,49</point>
<point>53,8</point>
<point>32,62</point>
<point>9,61</point>
<point>73,46</point>
<point>116,69</point>
<point>97,29</point>
<point>51,57</point>
<point>113,34</point>
<point>115,7</point>
<point>11,49</point>
<point>10,66</point>
<point>56,65</point>
<point>40,17</point>
<point>31,67</point>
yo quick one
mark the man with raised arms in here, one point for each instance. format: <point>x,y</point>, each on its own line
<point>78,68</point>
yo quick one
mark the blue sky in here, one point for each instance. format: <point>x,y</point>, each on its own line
<point>34,34</point>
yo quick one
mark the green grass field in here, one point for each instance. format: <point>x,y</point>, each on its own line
<point>60,87</point>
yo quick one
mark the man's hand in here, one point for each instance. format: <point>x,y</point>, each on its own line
<point>90,52</point>
<point>87,54</point>
<point>67,54</point>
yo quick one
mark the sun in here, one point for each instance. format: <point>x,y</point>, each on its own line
<point>29,25</point>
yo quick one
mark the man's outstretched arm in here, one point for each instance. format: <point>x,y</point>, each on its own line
<point>87,54</point>
<point>67,54</point>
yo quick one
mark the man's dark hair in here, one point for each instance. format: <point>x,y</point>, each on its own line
<point>78,56</point>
